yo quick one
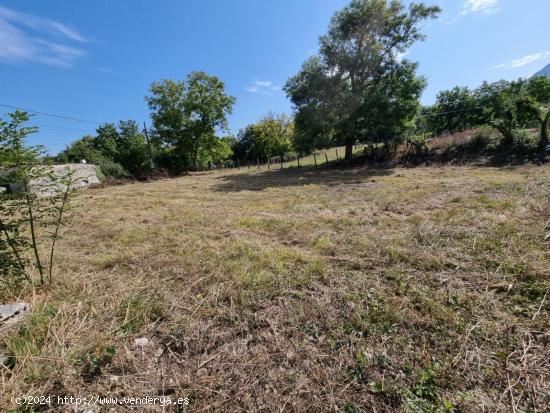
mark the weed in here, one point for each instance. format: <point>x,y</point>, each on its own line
<point>32,334</point>
<point>93,363</point>
<point>136,312</point>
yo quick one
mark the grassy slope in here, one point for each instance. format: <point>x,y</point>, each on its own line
<point>301,290</point>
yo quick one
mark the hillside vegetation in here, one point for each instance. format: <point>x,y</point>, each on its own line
<point>299,290</point>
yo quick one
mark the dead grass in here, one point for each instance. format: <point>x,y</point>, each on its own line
<point>419,290</point>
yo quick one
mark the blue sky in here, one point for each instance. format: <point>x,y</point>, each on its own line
<point>94,60</point>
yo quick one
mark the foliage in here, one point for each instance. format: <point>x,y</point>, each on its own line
<point>106,140</point>
<point>505,105</point>
<point>423,396</point>
<point>124,145</point>
<point>93,365</point>
<point>31,336</point>
<point>358,69</point>
<point>272,136</point>
<point>109,169</point>
<point>187,114</point>
<point>418,143</point>
<point>485,138</point>
<point>536,103</point>
<point>499,103</point>
<point>218,151</point>
<point>452,112</point>
<point>25,211</point>
<point>523,142</point>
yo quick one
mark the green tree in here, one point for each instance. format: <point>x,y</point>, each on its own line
<point>536,103</point>
<point>125,146</point>
<point>392,107</point>
<point>499,107</point>
<point>131,148</point>
<point>219,151</point>
<point>187,114</point>
<point>358,54</point>
<point>270,137</point>
<point>106,140</point>
<point>455,110</point>
<point>17,162</point>
<point>84,148</point>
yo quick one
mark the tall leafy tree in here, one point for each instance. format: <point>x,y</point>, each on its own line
<point>536,102</point>
<point>187,114</point>
<point>124,145</point>
<point>131,148</point>
<point>499,106</point>
<point>455,110</point>
<point>271,136</point>
<point>84,148</point>
<point>106,140</point>
<point>358,54</point>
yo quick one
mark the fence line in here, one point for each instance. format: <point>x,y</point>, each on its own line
<point>281,160</point>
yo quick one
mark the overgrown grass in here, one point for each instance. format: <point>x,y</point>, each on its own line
<point>404,290</point>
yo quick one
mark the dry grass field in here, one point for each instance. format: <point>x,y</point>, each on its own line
<point>402,290</point>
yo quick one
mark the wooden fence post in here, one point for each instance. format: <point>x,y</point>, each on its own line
<point>298,161</point>
<point>258,162</point>
<point>268,163</point>
<point>326,159</point>
<point>337,157</point>
<point>315,159</point>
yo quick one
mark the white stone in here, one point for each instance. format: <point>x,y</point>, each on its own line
<point>11,313</point>
<point>141,342</point>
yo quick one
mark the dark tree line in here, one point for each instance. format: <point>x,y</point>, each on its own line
<point>121,150</point>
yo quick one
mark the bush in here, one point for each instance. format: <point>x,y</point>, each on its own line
<point>485,138</point>
<point>418,143</point>
<point>524,143</point>
<point>111,169</point>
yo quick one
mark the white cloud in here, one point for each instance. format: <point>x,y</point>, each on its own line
<point>264,87</point>
<point>480,6</point>
<point>523,61</point>
<point>24,37</point>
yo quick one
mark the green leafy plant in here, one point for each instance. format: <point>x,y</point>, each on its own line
<point>423,396</point>
<point>418,143</point>
<point>95,362</point>
<point>34,207</point>
<point>114,170</point>
<point>31,336</point>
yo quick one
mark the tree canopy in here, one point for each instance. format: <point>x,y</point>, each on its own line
<point>187,115</point>
<point>358,76</point>
<point>270,137</point>
<point>505,105</point>
<point>123,144</point>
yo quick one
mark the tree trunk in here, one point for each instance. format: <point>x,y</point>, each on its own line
<point>544,129</point>
<point>349,151</point>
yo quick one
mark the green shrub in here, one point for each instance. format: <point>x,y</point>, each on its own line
<point>94,362</point>
<point>111,169</point>
<point>418,143</point>
<point>524,143</point>
<point>485,138</point>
